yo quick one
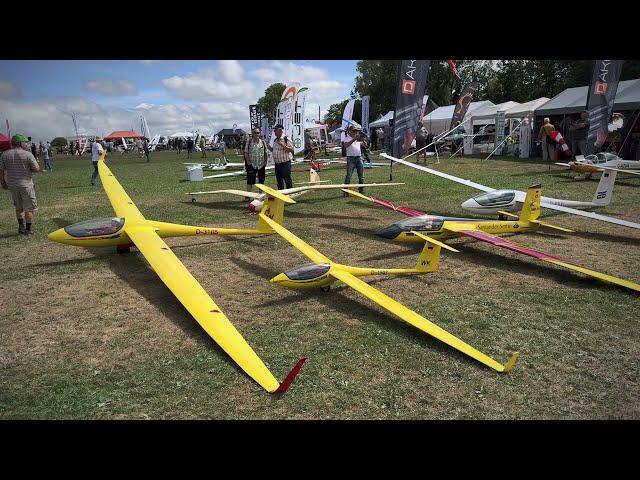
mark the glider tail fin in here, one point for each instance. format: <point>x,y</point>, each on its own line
<point>604,192</point>
<point>531,207</point>
<point>313,176</point>
<point>273,207</point>
<point>430,256</point>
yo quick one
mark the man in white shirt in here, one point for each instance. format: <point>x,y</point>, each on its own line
<point>96,152</point>
<point>352,141</point>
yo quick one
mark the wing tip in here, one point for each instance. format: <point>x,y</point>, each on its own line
<point>511,362</point>
<point>286,383</point>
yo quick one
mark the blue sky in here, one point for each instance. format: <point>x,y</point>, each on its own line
<point>35,94</point>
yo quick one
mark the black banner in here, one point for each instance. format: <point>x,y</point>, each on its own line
<point>602,94</point>
<point>255,116</point>
<point>412,79</point>
<point>462,105</point>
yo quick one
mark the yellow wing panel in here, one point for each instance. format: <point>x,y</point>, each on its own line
<point>199,304</point>
<point>420,322</point>
<point>310,252</point>
<point>120,201</point>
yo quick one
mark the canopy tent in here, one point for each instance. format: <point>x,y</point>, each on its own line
<point>574,100</point>
<point>316,130</point>
<point>118,134</point>
<point>182,134</point>
<point>439,120</point>
<point>526,109</point>
<point>382,122</point>
<point>486,115</point>
<point>5,143</point>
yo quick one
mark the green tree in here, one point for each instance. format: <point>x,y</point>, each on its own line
<point>59,142</point>
<point>269,101</point>
<point>376,78</point>
<point>334,115</point>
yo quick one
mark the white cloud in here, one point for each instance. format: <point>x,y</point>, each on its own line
<point>112,87</point>
<point>148,62</point>
<point>9,90</point>
<point>224,82</point>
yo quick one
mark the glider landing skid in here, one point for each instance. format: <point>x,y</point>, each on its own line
<point>286,383</point>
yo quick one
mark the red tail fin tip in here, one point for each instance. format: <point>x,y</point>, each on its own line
<point>286,383</point>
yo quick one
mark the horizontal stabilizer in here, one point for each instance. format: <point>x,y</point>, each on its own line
<point>286,383</point>
<point>508,214</point>
<point>511,362</point>
<point>435,242</point>
<point>548,225</point>
<point>275,193</point>
<point>568,165</point>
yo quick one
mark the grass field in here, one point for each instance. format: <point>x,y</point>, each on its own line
<point>88,334</point>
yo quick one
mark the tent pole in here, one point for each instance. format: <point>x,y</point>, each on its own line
<point>505,139</point>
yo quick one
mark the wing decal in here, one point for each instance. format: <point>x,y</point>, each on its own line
<point>420,322</point>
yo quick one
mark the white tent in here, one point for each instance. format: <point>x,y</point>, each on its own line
<point>182,134</point>
<point>382,122</point>
<point>526,109</point>
<point>318,131</point>
<point>439,120</point>
<point>486,115</point>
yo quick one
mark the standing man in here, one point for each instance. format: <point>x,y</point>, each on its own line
<point>16,168</point>
<point>145,148</point>
<point>380,138</point>
<point>579,130</point>
<point>353,142</point>
<point>189,147</point>
<point>255,158</point>
<point>45,151</point>
<point>96,152</point>
<point>204,154</point>
<point>421,142</point>
<point>282,154</point>
<point>179,144</point>
<point>548,144</point>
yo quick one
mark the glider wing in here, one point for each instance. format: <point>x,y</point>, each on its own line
<point>310,252</point>
<point>240,193</point>
<point>420,322</point>
<point>199,304</point>
<point>462,181</point>
<point>545,257</point>
<point>120,201</point>
<point>386,204</point>
<point>595,216</point>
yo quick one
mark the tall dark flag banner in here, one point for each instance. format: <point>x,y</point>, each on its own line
<point>365,113</point>
<point>602,94</point>
<point>412,80</point>
<point>255,116</point>
<point>462,105</point>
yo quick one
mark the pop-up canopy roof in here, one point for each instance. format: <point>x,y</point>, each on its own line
<point>439,121</point>
<point>526,109</point>
<point>118,134</point>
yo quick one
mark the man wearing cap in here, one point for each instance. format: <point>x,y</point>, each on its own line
<point>352,140</point>
<point>16,166</point>
<point>96,152</point>
<point>282,151</point>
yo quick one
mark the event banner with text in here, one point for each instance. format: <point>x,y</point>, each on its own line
<point>412,80</point>
<point>602,94</point>
<point>255,116</point>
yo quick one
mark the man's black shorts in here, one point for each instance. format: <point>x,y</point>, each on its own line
<point>251,175</point>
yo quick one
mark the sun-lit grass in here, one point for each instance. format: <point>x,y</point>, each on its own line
<point>91,334</point>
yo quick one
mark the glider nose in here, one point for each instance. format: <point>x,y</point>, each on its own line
<point>58,236</point>
<point>469,204</point>
<point>390,232</point>
<point>278,278</point>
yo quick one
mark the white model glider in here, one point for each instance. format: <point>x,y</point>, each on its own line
<point>496,201</point>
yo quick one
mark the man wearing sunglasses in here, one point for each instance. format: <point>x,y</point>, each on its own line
<point>282,155</point>
<point>255,158</point>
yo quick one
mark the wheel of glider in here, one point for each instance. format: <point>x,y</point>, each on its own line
<point>193,199</point>
<point>326,289</point>
<point>120,249</point>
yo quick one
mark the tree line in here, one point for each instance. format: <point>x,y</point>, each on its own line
<point>500,81</point>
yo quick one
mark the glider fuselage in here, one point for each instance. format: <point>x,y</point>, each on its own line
<point>436,227</point>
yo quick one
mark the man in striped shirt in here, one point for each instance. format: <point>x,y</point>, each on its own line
<point>16,166</point>
<point>282,154</point>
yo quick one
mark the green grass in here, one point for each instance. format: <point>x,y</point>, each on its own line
<point>90,334</point>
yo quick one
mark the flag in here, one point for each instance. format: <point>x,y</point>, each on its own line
<point>462,105</point>
<point>365,114</point>
<point>600,99</point>
<point>412,80</point>
<point>452,67</point>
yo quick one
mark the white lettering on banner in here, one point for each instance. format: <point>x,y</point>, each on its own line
<point>411,70</point>
<point>604,69</point>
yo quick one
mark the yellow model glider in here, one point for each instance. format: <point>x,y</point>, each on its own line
<point>323,272</point>
<point>485,230</point>
<point>131,228</point>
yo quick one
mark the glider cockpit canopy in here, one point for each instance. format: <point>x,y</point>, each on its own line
<point>424,223</point>
<point>498,198</point>
<point>308,271</point>
<point>95,227</point>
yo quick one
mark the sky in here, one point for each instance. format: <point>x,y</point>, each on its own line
<point>38,97</point>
